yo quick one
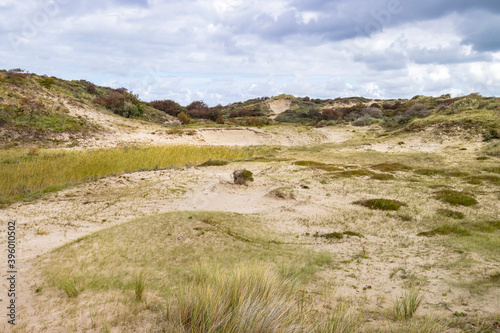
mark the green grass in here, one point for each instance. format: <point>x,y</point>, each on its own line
<point>463,229</point>
<point>406,305</point>
<point>390,167</point>
<point>381,204</point>
<point>235,275</point>
<point>451,213</point>
<point>24,176</point>
<point>456,198</point>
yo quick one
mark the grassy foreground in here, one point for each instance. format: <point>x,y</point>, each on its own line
<point>26,175</point>
<point>188,272</point>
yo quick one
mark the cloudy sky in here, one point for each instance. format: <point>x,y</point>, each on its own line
<point>223,51</point>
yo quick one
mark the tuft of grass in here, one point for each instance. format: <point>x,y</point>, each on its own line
<point>390,167</point>
<point>342,320</point>
<point>139,285</point>
<point>381,204</point>
<point>67,285</point>
<point>456,198</point>
<point>406,305</point>
<point>214,163</point>
<point>451,213</point>
<point>245,299</point>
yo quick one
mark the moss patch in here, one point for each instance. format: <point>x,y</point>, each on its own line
<point>381,204</point>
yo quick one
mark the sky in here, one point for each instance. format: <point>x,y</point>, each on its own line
<point>225,51</point>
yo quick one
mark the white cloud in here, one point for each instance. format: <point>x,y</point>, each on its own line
<point>223,51</point>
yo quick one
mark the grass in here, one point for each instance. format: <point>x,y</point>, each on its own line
<point>245,299</point>
<point>406,305</point>
<point>234,273</point>
<point>381,204</point>
<point>456,198</point>
<point>463,229</point>
<point>390,167</point>
<point>451,213</point>
<point>25,176</point>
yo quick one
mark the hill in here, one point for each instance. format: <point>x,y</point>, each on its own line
<point>48,111</point>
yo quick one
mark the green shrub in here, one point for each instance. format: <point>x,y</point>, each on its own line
<point>456,198</point>
<point>381,204</point>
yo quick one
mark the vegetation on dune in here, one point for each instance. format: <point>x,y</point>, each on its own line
<point>381,204</point>
<point>472,112</point>
<point>237,278</point>
<point>26,175</point>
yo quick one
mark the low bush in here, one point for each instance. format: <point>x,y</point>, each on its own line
<point>381,204</point>
<point>168,106</point>
<point>456,198</point>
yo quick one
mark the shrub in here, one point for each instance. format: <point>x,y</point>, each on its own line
<point>373,112</point>
<point>168,106</point>
<point>198,109</point>
<point>447,229</point>
<point>121,102</point>
<point>456,198</point>
<point>91,89</point>
<point>363,121</point>
<point>47,82</point>
<point>381,204</point>
<point>246,113</point>
<point>184,118</point>
<point>330,114</point>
